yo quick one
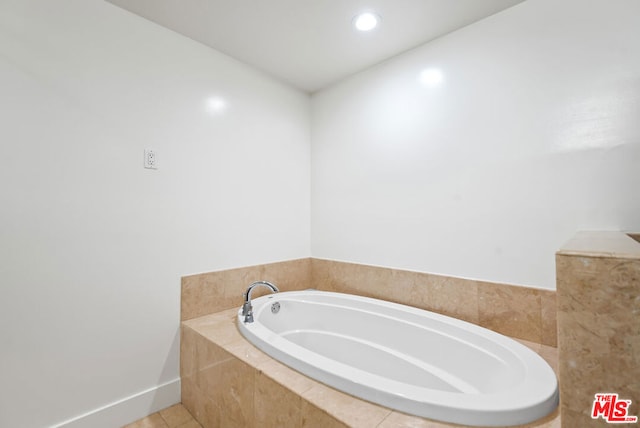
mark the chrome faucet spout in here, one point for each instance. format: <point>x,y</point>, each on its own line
<point>247,309</point>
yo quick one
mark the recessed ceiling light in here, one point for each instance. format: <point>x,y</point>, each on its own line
<point>366,21</point>
<point>431,77</point>
<point>215,105</point>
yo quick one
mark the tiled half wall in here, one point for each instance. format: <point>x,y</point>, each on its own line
<point>521,312</point>
<point>598,277</point>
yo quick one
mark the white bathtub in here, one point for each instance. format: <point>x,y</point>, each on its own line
<point>411,360</point>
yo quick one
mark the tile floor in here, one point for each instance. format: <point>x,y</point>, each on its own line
<point>172,417</point>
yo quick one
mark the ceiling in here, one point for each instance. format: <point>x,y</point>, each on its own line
<point>311,44</point>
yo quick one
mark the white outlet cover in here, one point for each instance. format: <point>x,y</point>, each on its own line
<point>150,159</point>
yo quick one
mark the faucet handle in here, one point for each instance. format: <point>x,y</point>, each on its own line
<point>247,309</point>
<point>247,312</point>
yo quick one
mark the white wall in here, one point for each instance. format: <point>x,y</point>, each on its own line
<point>92,245</point>
<point>533,134</point>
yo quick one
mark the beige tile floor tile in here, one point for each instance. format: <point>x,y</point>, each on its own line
<point>152,421</point>
<point>175,416</point>
<point>191,424</point>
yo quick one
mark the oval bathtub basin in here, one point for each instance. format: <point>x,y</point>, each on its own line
<point>404,358</point>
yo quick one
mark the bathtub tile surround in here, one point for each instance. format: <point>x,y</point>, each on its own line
<point>521,312</point>
<point>549,316</point>
<point>215,380</point>
<point>513,311</point>
<point>274,405</point>
<point>265,392</point>
<point>226,381</point>
<point>516,311</point>
<point>426,291</point>
<point>598,276</point>
<point>215,291</point>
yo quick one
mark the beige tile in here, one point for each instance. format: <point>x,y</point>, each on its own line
<point>313,417</point>
<point>393,285</point>
<point>187,351</point>
<point>247,352</point>
<point>346,408</point>
<point>599,332</point>
<point>511,310</point>
<point>286,376</point>
<point>234,393</point>
<point>151,421</point>
<point>224,395</point>
<point>451,296</point>
<point>455,297</point>
<point>198,296</point>
<point>191,424</point>
<point>222,369</point>
<point>535,347</point>
<point>364,280</point>
<point>340,277</point>
<point>320,274</point>
<point>401,420</point>
<point>188,393</point>
<point>212,292</point>
<point>581,419</point>
<point>176,415</point>
<point>516,311</point>
<point>212,413</point>
<point>275,405</point>
<point>552,420</point>
<point>289,275</point>
<point>222,384</point>
<point>220,327</point>
<point>582,372</point>
<point>198,404</point>
<point>550,355</point>
<point>232,284</point>
<point>208,356</point>
<point>549,317</point>
<point>373,281</point>
<point>352,278</point>
<point>409,288</point>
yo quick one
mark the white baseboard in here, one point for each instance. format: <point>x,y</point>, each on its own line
<point>129,409</point>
